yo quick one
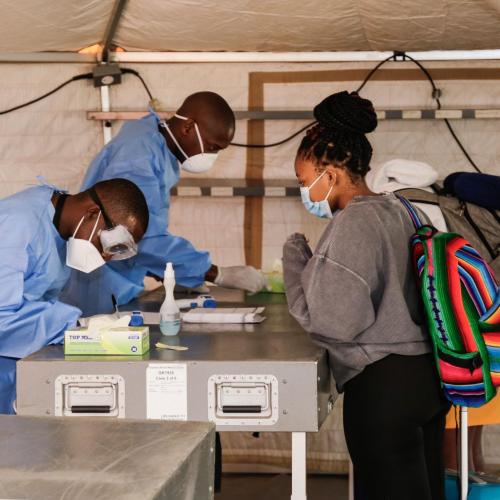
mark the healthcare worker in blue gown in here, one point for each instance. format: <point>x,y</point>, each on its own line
<point>151,152</point>
<point>44,233</point>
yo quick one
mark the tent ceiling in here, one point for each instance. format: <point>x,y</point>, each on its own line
<point>52,25</point>
<point>253,25</point>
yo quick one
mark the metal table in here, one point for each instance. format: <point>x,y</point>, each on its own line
<point>67,458</point>
<point>266,377</point>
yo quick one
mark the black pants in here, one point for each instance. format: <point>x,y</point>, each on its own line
<point>394,416</point>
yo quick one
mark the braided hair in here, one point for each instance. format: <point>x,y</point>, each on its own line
<point>339,138</point>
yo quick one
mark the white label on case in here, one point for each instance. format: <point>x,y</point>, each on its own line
<point>166,391</point>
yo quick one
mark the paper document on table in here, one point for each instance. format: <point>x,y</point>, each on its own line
<point>225,315</point>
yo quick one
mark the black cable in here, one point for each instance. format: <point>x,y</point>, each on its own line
<point>436,94</point>
<point>295,134</point>
<point>137,74</point>
<point>460,145</point>
<point>84,76</point>
<point>372,72</point>
<point>274,143</point>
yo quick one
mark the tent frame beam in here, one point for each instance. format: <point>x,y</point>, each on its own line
<point>239,57</point>
<point>479,113</point>
<point>111,28</point>
<point>254,57</point>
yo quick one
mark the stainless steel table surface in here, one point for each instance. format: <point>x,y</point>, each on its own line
<point>278,338</point>
<point>102,459</point>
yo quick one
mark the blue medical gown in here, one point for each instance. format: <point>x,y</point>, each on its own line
<point>32,274</point>
<point>139,153</point>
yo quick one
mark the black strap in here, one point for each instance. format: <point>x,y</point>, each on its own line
<point>59,208</point>
<point>479,233</point>
<point>98,202</point>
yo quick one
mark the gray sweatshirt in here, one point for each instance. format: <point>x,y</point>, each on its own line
<point>356,295</point>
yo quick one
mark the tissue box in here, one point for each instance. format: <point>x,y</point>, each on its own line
<point>124,340</point>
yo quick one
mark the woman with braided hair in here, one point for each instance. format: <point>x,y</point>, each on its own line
<point>356,295</point>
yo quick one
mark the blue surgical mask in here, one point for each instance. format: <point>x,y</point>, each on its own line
<point>318,208</point>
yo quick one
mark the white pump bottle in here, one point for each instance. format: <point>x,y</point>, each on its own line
<point>170,316</point>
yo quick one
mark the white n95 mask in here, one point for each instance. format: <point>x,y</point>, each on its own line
<point>82,254</point>
<point>195,164</point>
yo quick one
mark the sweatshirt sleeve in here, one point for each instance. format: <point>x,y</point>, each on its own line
<point>329,299</point>
<point>331,293</point>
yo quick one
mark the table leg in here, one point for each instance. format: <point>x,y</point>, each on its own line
<point>351,480</point>
<point>299,471</point>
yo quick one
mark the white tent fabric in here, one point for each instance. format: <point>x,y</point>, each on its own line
<point>309,25</point>
<point>51,25</point>
<point>249,25</point>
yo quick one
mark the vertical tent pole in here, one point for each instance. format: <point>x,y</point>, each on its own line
<point>105,106</point>
<point>112,26</point>
<point>464,453</point>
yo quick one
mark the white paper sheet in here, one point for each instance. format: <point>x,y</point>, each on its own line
<point>225,315</point>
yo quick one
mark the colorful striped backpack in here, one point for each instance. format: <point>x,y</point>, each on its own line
<point>461,300</point>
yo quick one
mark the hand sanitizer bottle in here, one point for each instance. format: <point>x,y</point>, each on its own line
<point>170,317</point>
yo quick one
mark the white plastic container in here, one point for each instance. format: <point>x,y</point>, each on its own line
<point>170,316</point>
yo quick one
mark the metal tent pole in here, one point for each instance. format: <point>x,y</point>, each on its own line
<point>111,28</point>
<point>105,106</point>
<point>464,453</point>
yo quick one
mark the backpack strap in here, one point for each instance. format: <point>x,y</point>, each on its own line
<point>411,211</point>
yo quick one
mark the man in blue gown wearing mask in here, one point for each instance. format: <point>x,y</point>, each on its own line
<point>150,152</point>
<point>45,232</point>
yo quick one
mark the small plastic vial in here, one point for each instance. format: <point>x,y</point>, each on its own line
<point>170,316</point>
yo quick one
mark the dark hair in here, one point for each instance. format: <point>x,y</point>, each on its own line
<point>339,138</point>
<point>122,199</point>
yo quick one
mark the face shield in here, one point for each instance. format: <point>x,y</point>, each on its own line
<point>118,243</point>
<point>116,240</point>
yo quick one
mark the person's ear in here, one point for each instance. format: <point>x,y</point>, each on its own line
<point>331,174</point>
<point>92,211</point>
<point>186,126</point>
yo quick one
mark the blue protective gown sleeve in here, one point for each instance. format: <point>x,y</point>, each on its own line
<point>27,324</point>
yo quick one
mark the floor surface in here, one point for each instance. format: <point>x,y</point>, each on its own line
<point>278,487</point>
